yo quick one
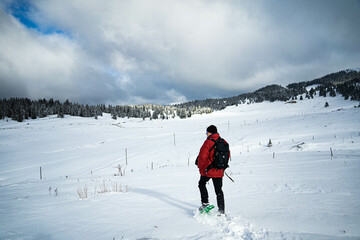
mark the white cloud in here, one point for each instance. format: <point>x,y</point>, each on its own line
<point>175,97</point>
<point>35,62</point>
<point>124,82</point>
<point>197,49</point>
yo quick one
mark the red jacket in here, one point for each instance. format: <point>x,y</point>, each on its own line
<point>205,158</point>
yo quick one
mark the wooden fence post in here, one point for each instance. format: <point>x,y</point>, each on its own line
<point>331,153</point>
<point>126,156</point>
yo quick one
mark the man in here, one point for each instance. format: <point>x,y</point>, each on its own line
<point>204,159</point>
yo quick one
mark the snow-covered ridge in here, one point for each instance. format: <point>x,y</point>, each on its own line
<point>352,70</point>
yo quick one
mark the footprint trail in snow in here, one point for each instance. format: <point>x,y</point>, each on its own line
<point>228,227</point>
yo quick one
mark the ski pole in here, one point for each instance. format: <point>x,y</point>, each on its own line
<point>229,177</point>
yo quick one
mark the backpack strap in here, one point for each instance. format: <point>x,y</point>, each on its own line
<point>215,141</point>
<point>211,164</point>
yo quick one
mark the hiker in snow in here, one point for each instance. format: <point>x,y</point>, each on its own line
<point>207,171</point>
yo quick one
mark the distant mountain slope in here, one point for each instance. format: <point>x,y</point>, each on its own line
<point>333,79</point>
<point>346,82</point>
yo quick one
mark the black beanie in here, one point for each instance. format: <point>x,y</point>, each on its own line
<point>211,129</point>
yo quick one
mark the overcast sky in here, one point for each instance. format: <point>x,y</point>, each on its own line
<point>166,51</point>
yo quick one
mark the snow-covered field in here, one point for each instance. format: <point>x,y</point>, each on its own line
<point>292,190</point>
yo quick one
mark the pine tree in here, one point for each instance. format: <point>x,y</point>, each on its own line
<point>332,92</point>
<point>60,113</point>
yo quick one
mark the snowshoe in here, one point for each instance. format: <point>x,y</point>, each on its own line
<point>206,207</point>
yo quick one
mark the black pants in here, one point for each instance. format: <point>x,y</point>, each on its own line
<point>219,193</point>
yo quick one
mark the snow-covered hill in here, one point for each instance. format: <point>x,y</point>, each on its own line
<point>292,190</point>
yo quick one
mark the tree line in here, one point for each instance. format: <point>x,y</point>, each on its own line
<point>19,109</point>
<point>346,83</point>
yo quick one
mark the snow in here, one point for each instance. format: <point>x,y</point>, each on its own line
<point>308,88</point>
<point>352,70</point>
<point>292,190</point>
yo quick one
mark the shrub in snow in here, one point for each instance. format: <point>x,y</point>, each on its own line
<point>102,188</point>
<point>121,171</point>
<point>83,193</point>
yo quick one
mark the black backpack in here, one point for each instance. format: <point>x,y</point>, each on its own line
<point>221,154</point>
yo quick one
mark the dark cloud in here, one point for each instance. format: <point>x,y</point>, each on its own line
<point>127,52</point>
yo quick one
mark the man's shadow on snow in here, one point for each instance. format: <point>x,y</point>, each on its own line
<point>187,207</point>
